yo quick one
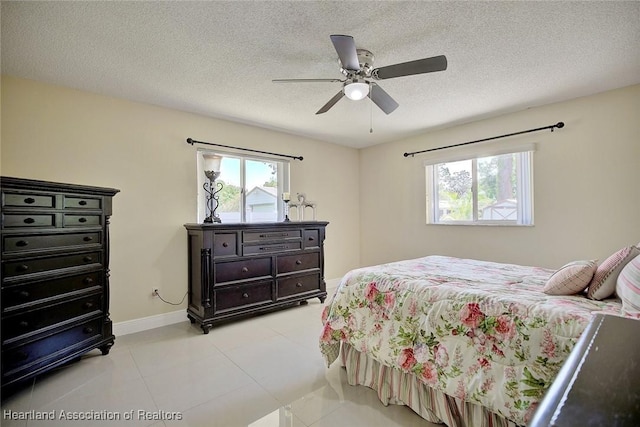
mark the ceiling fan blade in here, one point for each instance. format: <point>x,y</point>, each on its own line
<point>346,48</point>
<point>382,99</point>
<point>307,81</point>
<point>420,66</point>
<point>338,96</point>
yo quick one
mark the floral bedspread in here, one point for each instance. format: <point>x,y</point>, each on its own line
<point>479,331</point>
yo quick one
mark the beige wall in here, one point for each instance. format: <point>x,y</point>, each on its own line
<point>58,134</point>
<point>587,203</point>
<point>586,185</point>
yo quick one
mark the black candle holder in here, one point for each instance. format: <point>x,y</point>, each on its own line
<point>212,196</point>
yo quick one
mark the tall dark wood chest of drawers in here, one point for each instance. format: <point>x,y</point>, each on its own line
<point>55,275</point>
<point>242,269</point>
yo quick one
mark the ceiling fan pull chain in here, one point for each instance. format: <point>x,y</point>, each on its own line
<point>371,117</point>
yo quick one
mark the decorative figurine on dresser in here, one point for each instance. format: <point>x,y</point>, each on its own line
<point>55,275</point>
<point>242,269</point>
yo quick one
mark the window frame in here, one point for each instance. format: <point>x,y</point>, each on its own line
<point>524,185</point>
<point>283,178</point>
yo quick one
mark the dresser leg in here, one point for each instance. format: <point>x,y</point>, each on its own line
<point>205,328</point>
<point>191,319</point>
<point>322,299</point>
<point>106,348</point>
<point>304,302</point>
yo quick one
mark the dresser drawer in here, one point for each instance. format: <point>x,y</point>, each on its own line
<point>35,320</point>
<point>82,203</point>
<point>298,262</point>
<point>51,347</point>
<point>293,286</point>
<point>21,200</point>
<point>270,235</point>
<point>271,248</point>
<point>11,220</point>
<point>241,270</point>
<point>234,297</point>
<point>225,244</point>
<point>311,238</point>
<point>81,220</point>
<point>17,296</point>
<point>37,265</point>
<point>33,242</point>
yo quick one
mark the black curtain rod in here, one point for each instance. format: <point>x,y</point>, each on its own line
<point>558,125</point>
<point>193,141</point>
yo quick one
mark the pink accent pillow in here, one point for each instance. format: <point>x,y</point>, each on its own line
<point>571,278</point>
<point>628,288</point>
<point>603,284</point>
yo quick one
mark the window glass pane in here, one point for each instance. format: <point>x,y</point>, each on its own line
<point>455,199</point>
<point>230,195</point>
<point>251,188</point>
<point>497,188</point>
<point>262,191</point>
<point>487,190</point>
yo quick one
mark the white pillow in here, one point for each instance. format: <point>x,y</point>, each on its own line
<point>628,288</point>
<point>571,278</point>
<point>603,284</point>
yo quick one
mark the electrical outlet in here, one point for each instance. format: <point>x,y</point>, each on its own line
<point>154,292</point>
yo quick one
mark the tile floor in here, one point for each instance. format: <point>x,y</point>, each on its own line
<point>265,371</point>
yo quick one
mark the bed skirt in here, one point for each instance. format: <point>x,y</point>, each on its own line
<point>400,388</point>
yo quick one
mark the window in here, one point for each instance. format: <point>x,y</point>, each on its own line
<point>490,190</point>
<point>251,188</point>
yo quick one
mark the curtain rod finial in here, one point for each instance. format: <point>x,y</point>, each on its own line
<point>189,141</point>
<point>560,125</point>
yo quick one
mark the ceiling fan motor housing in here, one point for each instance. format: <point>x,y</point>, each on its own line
<point>365,58</point>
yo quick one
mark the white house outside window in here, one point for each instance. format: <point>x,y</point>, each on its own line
<point>251,188</point>
<point>494,188</point>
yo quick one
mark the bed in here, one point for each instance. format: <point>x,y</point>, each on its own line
<point>464,342</point>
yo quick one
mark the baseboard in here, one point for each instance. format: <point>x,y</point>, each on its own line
<point>151,322</point>
<point>145,323</point>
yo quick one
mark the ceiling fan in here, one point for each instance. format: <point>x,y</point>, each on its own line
<point>357,67</point>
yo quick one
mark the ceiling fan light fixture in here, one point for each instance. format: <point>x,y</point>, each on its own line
<point>356,90</point>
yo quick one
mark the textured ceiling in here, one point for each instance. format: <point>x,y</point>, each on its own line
<point>218,58</point>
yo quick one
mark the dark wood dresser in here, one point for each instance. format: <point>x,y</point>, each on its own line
<point>55,275</point>
<point>599,384</point>
<point>242,269</point>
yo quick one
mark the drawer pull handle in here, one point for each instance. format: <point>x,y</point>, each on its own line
<point>298,262</point>
<point>245,270</point>
<point>22,267</point>
<point>87,238</point>
<point>298,285</point>
<point>83,219</point>
<point>23,324</point>
<point>22,243</point>
<point>88,330</point>
<point>82,202</point>
<point>245,295</point>
<point>225,245</point>
<point>88,305</point>
<point>272,248</point>
<point>29,200</point>
<point>262,236</point>
<point>311,238</point>
<point>24,294</point>
<point>87,259</point>
<point>29,220</point>
<point>88,280</point>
